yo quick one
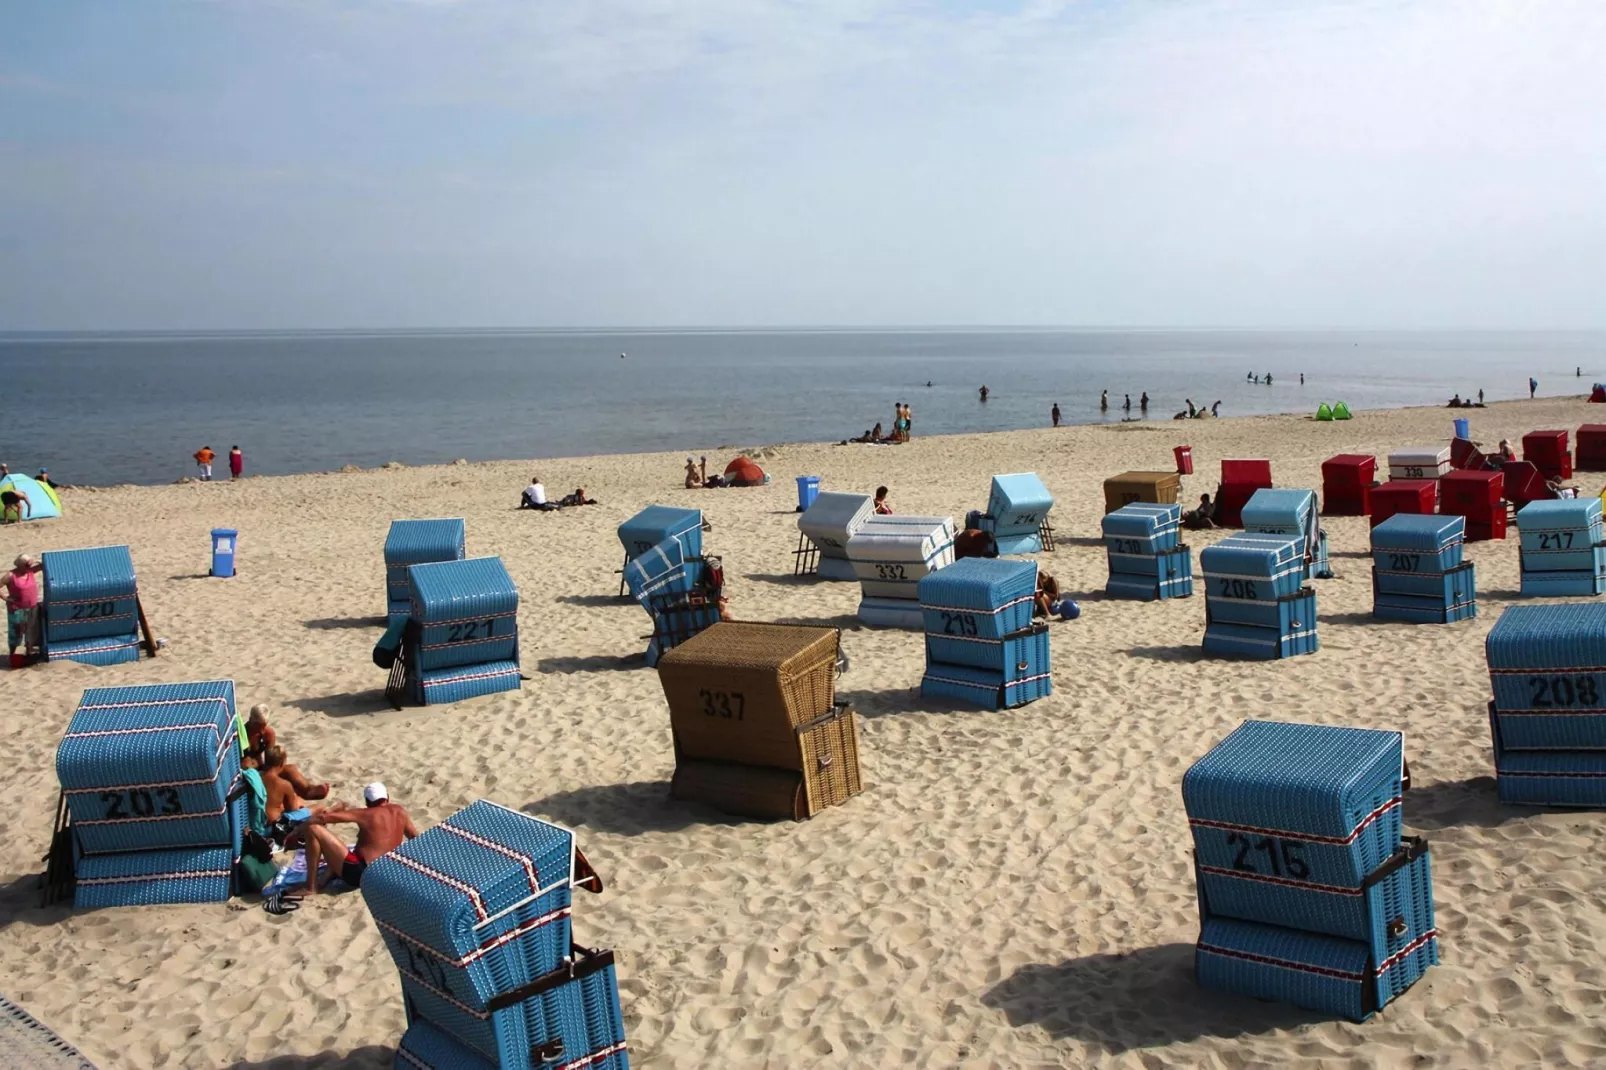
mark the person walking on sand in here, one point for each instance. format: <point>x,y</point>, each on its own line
<point>236,462</point>
<point>1054,414</point>
<point>1533,385</point>
<point>203,462</point>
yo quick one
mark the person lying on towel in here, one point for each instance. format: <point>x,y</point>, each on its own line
<point>381,828</point>
<point>577,498</point>
<point>534,497</point>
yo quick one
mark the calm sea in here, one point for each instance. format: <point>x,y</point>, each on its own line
<point>133,408</point>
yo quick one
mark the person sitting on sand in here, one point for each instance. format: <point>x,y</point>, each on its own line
<point>1203,517</point>
<point>882,506</point>
<point>260,738</point>
<point>973,542</point>
<point>285,808</point>
<point>381,827</point>
<point>534,497</point>
<point>694,478</point>
<point>1047,596</point>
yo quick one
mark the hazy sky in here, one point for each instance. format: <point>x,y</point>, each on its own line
<point>384,163</point>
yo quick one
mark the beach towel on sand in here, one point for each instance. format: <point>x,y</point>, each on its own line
<point>293,876</point>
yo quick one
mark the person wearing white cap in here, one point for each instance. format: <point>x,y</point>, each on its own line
<point>381,828</point>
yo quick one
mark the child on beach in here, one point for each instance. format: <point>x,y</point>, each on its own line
<point>203,462</point>
<point>882,506</point>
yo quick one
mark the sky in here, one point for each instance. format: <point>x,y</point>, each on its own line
<point>284,164</point>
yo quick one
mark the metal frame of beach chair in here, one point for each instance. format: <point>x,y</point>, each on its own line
<point>1045,532</point>
<point>59,881</point>
<point>396,686</point>
<point>806,558</point>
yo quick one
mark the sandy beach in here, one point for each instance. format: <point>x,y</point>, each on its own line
<point>1013,889</point>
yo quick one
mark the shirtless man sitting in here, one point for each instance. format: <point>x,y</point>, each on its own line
<point>381,827</point>
<point>285,809</point>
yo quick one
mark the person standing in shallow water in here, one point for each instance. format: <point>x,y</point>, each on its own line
<point>1127,405</point>
<point>236,462</point>
<point>1054,413</point>
<point>1143,402</point>
<point>1104,401</point>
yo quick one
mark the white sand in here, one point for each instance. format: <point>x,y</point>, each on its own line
<point>1013,889</point>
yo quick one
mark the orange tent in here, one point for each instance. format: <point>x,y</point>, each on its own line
<point>744,473</point>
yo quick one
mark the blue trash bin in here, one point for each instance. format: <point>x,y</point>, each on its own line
<point>808,488</point>
<point>224,541</point>
<point>1463,427</point>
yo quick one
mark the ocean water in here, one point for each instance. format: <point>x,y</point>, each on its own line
<point>133,408</point>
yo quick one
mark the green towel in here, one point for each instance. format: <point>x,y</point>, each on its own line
<point>257,805</point>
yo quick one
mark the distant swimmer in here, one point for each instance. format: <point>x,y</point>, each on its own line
<point>928,382</point>
<point>984,392</point>
<point>621,356</point>
<point>1301,378</point>
<point>1268,378</point>
<point>1104,401</point>
<point>1143,402</point>
<point>1128,405</point>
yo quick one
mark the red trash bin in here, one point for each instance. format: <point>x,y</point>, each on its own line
<point>1184,455</point>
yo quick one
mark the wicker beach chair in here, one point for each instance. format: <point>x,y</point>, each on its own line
<point>1255,605</point>
<point>91,608</point>
<point>655,524</point>
<point>757,730</point>
<point>1307,893</point>
<point>475,913</point>
<point>417,542</point>
<point>982,646</point>
<point>1017,514</point>
<point>1418,572</point>
<point>460,638</point>
<point>1563,547</point>
<point>823,533</point>
<point>1145,553</point>
<point>146,774</point>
